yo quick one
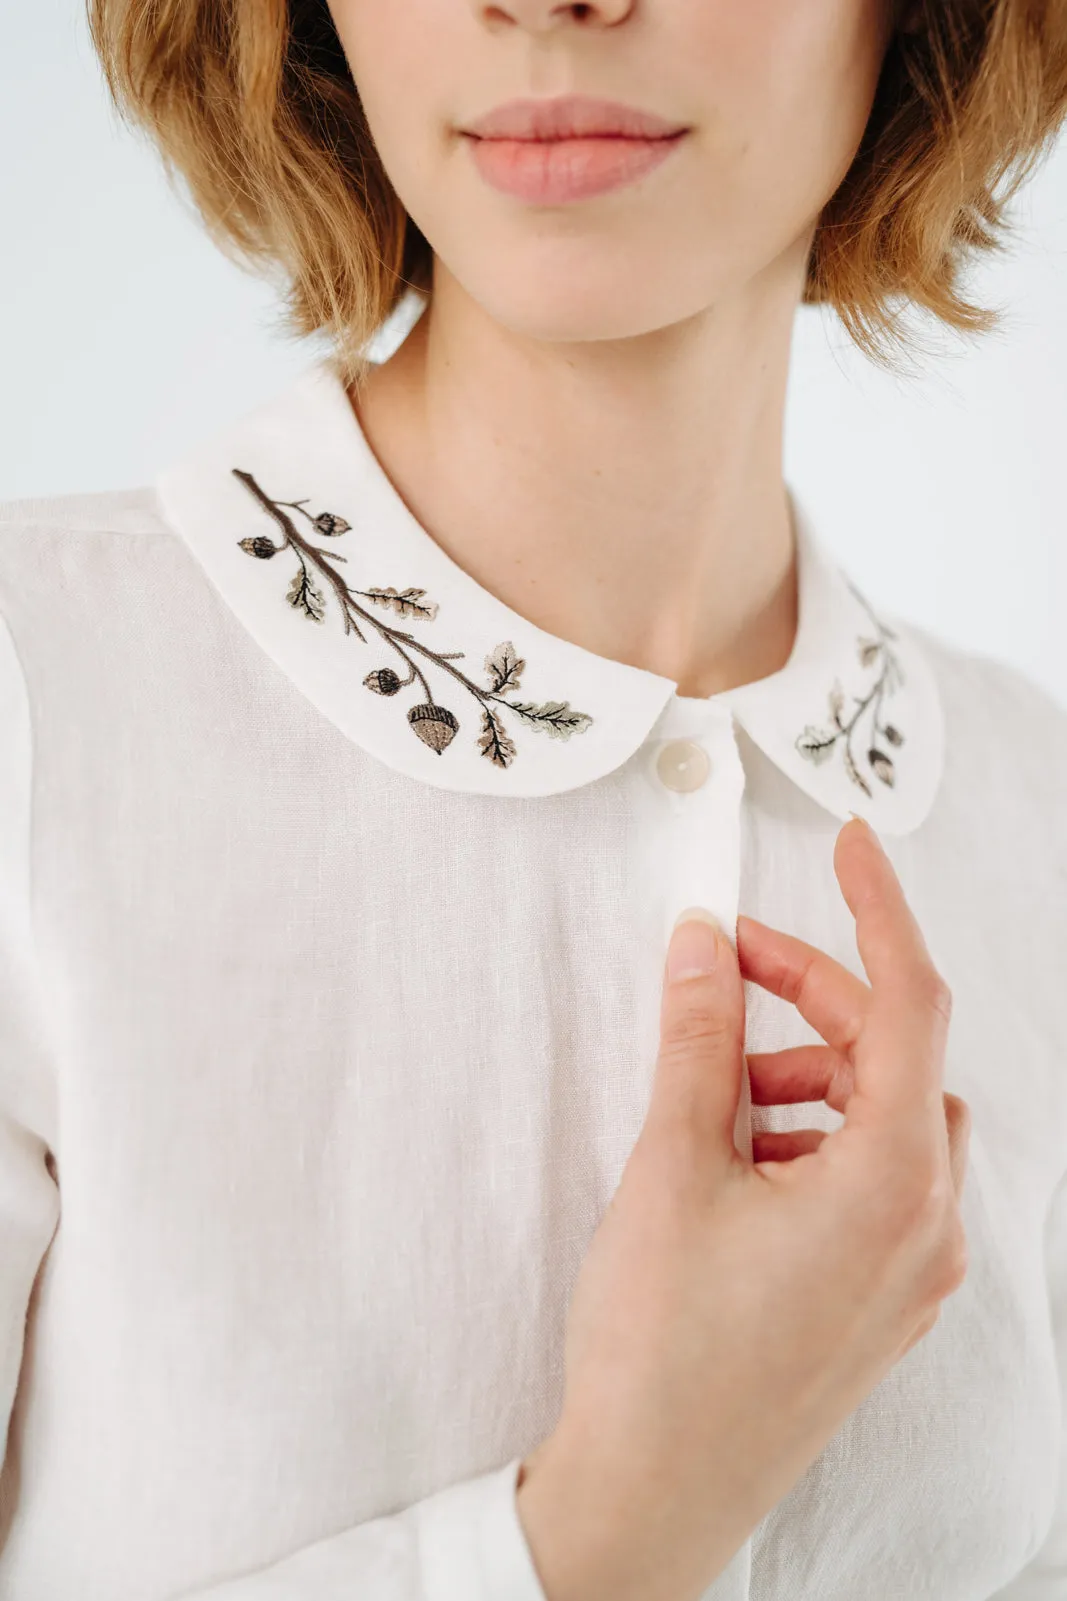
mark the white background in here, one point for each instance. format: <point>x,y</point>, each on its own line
<point>125,336</point>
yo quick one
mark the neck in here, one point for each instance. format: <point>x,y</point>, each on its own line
<point>626,495</point>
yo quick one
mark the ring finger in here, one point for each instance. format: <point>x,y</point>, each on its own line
<point>800,1073</point>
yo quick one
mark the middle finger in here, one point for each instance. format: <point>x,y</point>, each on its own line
<point>827,995</point>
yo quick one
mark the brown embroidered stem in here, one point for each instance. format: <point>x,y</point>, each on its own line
<point>434,723</point>
<point>849,728</point>
<point>815,744</point>
<point>300,545</point>
<point>301,548</point>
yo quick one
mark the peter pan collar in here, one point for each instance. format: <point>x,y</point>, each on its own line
<point>302,533</point>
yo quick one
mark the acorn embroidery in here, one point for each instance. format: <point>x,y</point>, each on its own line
<point>816,744</point>
<point>436,725</point>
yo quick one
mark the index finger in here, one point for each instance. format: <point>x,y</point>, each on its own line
<point>899,1059</point>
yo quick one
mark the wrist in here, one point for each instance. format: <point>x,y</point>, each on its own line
<point>563,1531</point>
<point>588,1533</point>
<point>599,1528</point>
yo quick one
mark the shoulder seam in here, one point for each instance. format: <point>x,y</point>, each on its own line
<point>44,526</point>
<point>122,511</point>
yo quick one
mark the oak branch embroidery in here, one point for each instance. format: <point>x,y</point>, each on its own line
<point>436,725</point>
<point>817,744</point>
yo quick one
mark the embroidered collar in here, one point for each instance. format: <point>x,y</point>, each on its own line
<point>297,525</point>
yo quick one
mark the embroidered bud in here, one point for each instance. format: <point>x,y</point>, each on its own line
<point>882,765</point>
<point>894,736</point>
<point>260,546</point>
<point>435,725</point>
<point>383,681</point>
<point>328,522</point>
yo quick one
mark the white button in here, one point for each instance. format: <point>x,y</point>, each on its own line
<point>683,764</point>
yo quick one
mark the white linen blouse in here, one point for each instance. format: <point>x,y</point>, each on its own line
<point>335,898</point>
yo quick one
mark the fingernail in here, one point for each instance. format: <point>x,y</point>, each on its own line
<point>869,829</point>
<point>694,946</point>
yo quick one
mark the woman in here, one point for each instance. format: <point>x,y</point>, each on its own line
<point>383,1216</point>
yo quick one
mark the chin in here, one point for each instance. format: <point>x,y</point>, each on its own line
<point>565,305</point>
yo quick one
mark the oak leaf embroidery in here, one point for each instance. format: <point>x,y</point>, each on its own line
<point>817,743</point>
<point>434,724</point>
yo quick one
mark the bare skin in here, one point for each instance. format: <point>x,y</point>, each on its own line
<point>731,1314</point>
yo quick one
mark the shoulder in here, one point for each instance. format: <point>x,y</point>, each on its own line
<point>995,702</point>
<point>79,574</point>
<point>107,511</point>
<point>1005,741</point>
<point>67,560</point>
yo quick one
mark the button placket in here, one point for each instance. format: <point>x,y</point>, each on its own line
<point>694,765</point>
<point>693,855</point>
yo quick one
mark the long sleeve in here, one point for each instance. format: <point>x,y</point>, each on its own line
<point>1044,1578</point>
<point>464,1543</point>
<point>29,1197</point>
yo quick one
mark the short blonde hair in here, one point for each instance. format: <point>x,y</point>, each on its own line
<point>253,103</point>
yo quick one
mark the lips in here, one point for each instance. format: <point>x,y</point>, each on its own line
<point>548,152</point>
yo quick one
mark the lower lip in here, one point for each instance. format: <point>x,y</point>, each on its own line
<point>550,171</point>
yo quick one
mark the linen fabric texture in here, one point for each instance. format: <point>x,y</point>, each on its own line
<point>334,900</point>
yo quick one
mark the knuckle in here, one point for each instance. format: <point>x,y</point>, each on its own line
<point>915,1198</point>
<point>948,1259</point>
<point>887,1197</point>
<point>935,993</point>
<point>951,1272</point>
<point>958,1276</point>
<point>921,1329</point>
<point>958,1115</point>
<point>936,1207</point>
<point>930,1321</point>
<point>956,1257</point>
<point>913,1211</point>
<point>696,1026</point>
<point>899,1198</point>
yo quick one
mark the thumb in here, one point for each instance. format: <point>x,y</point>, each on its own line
<point>698,1075</point>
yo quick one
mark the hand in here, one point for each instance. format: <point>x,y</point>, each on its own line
<point>731,1314</point>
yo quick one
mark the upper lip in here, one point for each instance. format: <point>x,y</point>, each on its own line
<point>569,117</point>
